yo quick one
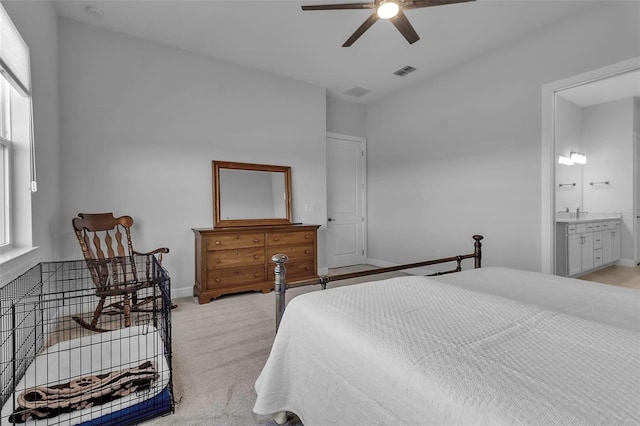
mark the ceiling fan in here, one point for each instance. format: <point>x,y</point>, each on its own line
<point>385,9</point>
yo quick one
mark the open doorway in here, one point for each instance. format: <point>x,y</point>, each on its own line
<point>579,114</point>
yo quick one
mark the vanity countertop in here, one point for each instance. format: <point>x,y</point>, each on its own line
<point>587,218</point>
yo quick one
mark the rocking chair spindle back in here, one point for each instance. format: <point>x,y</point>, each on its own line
<point>108,251</point>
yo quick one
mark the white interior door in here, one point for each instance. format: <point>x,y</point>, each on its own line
<point>345,200</point>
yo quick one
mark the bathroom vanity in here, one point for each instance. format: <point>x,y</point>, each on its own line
<point>586,244</point>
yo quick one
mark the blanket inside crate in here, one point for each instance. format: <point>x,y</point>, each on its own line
<point>83,379</point>
<point>41,402</point>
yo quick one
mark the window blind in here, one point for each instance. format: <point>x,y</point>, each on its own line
<point>14,55</point>
<point>15,67</point>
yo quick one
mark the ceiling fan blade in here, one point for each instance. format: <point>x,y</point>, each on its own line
<point>427,3</point>
<point>404,26</point>
<point>364,27</point>
<point>339,6</point>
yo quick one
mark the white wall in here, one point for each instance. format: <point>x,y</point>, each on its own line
<point>346,118</point>
<point>468,160</point>
<point>141,123</point>
<point>608,144</point>
<point>37,22</point>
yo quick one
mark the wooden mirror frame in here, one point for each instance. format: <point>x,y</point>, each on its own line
<point>229,223</point>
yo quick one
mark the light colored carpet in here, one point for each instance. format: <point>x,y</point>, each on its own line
<point>219,349</point>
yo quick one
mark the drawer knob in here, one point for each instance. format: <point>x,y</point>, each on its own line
<point>307,252</point>
<point>255,256</point>
<point>306,236</point>
<point>306,268</point>
<point>218,280</point>
<point>256,275</point>
<point>276,239</point>
<point>217,243</point>
<point>217,260</point>
<point>255,240</point>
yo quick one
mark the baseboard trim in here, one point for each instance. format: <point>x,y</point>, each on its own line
<point>177,293</point>
<point>626,262</point>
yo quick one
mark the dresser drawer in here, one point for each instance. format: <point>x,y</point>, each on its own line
<point>230,258</point>
<point>296,254</point>
<point>225,278</point>
<point>231,241</point>
<point>294,237</point>
<point>233,260</point>
<point>295,271</point>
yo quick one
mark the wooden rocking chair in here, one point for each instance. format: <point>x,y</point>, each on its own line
<point>112,264</point>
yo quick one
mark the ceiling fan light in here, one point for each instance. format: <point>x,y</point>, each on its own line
<point>387,9</point>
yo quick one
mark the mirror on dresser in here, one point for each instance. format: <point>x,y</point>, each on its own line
<point>246,194</point>
<point>252,223</point>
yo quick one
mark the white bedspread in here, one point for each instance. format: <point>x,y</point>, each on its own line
<point>417,351</point>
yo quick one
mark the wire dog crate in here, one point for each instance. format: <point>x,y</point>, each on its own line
<point>53,371</point>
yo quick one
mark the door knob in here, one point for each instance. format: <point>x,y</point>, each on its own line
<point>330,219</point>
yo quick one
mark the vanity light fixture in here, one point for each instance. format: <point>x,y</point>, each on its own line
<point>565,160</point>
<point>578,158</point>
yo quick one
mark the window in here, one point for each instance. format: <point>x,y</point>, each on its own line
<point>17,166</point>
<point>5,155</point>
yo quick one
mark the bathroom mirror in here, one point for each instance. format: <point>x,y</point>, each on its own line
<point>246,194</point>
<point>594,145</point>
<point>569,139</point>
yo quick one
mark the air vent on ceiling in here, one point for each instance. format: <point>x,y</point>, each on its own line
<point>357,91</point>
<point>404,70</point>
<point>94,11</point>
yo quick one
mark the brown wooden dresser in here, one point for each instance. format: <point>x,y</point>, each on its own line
<point>233,260</point>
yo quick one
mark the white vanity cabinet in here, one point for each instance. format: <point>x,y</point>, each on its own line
<point>611,243</point>
<point>580,250</point>
<point>583,246</point>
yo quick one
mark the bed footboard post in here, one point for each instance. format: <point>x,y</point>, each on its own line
<point>280,285</point>
<point>478,250</point>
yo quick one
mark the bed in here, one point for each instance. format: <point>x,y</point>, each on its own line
<point>123,350</point>
<point>483,346</point>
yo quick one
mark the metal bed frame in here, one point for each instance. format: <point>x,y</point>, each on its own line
<point>281,285</point>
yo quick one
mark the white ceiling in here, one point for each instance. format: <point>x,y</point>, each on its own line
<point>278,37</point>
